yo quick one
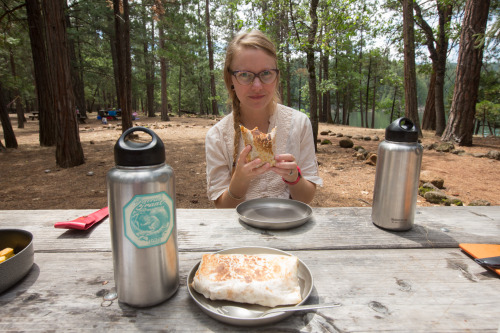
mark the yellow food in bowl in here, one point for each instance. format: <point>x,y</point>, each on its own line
<point>6,254</point>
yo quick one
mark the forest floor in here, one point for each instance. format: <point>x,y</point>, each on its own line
<point>30,178</point>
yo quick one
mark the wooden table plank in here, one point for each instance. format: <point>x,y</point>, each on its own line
<point>330,228</point>
<point>411,290</point>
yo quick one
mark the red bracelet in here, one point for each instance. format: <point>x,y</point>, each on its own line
<point>296,181</point>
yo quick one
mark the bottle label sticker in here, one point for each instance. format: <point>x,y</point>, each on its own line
<point>149,219</point>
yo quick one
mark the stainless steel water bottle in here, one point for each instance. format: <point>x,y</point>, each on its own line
<point>397,176</point>
<point>141,199</point>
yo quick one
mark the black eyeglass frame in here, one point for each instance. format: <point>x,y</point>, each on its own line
<point>277,71</point>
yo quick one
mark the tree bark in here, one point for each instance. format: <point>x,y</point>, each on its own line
<point>429,117</point>
<point>163,77</point>
<point>460,126</point>
<point>69,152</point>
<point>122,40</point>
<point>8,132</point>
<point>43,77</point>
<point>311,68</point>
<point>411,106</point>
<point>76,73</point>
<point>438,48</point>
<point>213,93</point>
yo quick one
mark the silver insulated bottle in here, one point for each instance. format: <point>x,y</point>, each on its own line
<point>397,176</point>
<point>141,199</point>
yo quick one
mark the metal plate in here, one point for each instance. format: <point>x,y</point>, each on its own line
<point>274,213</point>
<point>215,308</point>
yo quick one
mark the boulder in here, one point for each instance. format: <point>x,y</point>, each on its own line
<point>479,202</point>
<point>346,143</point>
<point>326,142</point>
<point>429,177</point>
<point>445,147</point>
<point>436,197</point>
<point>494,154</point>
<point>371,159</point>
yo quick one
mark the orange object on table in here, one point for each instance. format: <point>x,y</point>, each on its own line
<point>482,251</point>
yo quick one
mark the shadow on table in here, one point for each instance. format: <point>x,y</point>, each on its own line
<point>426,237</point>
<point>308,225</point>
<point>20,288</point>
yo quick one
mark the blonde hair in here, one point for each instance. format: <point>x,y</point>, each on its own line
<point>250,39</point>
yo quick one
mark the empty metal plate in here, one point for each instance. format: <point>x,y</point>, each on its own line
<point>216,309</point>
<point>274,213</point>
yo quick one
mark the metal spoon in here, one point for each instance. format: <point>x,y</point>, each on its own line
<point>240,312</point>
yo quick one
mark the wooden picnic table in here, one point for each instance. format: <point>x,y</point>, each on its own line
<point>413,281</point>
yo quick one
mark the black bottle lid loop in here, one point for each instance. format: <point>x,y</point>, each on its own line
<point>401,130</point>
<point>134,153</point>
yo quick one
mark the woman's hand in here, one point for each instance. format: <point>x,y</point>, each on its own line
<point>244,171</point>
<point>286,167</point>
<point>243,174</point>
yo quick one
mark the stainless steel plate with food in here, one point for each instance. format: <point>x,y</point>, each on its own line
<point>242,314</point>
<point>274,213</point>
<point>21,258</point>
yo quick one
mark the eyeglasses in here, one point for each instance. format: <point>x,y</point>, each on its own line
<point>245,77</point>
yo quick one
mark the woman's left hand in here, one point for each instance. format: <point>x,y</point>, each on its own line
<point>286,167</point>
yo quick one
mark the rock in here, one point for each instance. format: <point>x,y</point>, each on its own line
<point>326,142</point>
<point>427,187</point>
<point>494,154</point>
<point>367,138</point>
<point>346,143</point>
<point>429,177</point>
<point>358,147</point>
<point>479,155</point>
<point>376,138</point>
<point>339,135</point>
<point>92,142</point>
<point>333,134</point>
<point>325,132</point>
<point>47,171</point>
<point>436,197</point>
<point>479,202</point>
<point>358,137</point>
<point>458,152</point>
<point>371,159</point>
<point>90,173</point>
<point>445,147</point>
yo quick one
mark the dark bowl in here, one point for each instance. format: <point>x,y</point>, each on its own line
<point>15,268</point>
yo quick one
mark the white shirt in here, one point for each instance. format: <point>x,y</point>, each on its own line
<point>293,135</point>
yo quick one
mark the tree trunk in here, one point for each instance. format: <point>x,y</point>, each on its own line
<point>8,132</point>
<point>311,68</point>
<point>213,93</point>
<point>373,100</point>
<point>460,126</point>
<point>69,152</point>
<point>438,48</point>
<point>429,117</point>
<point>326,96</point>
<point>122,40</point>
<point>76,73</point>
<point>368,90</point>
<point>163,77</point>
<point>148,62</point>
<point>411,106</point>
<point>43,77</point>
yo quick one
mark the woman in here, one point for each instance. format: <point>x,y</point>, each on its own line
<point>251,77</point>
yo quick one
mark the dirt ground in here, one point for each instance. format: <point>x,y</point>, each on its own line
<point>30,178</point>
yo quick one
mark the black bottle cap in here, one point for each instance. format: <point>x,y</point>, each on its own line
<point>401,130</point>
<point>135,153</point>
